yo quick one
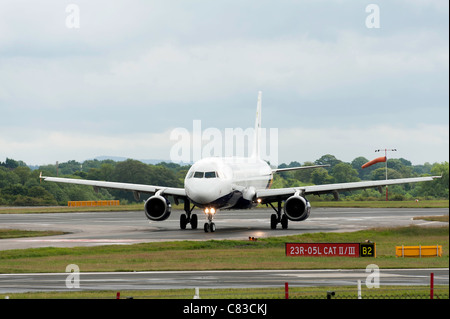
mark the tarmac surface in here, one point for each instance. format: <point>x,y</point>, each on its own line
<point>122,228</point>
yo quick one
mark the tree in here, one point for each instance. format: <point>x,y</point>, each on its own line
<point>422,169</point>
<point>23,172</point>
<point>320,176</point>
<point>344,173</point>
<point>328,160</point>
<point>439,188</point>
<point>363,173</point>
<point>136,172</point>
<point>304,175</point>
<point>132,171</point>
<point>104,173</point>
<point>380,173</point>
<point>10,163</point>
<point>69,167</point>
<point>7,177</point>
<point>401,165</point>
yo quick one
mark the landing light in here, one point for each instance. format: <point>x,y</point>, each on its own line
<point>211,210</point>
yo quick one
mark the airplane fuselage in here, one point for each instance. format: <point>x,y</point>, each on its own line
<point>229,182</point>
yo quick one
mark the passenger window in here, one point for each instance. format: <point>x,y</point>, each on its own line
<point>210,174</point>
<point>198,175</point>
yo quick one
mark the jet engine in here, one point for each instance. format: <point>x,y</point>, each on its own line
<point>157,208</point>
<point>297,208</point>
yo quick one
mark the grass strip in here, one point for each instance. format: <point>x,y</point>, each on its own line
<point>17,233</point>
<point>341,292</point>
<point>383,204</point>
<point>66,209</point>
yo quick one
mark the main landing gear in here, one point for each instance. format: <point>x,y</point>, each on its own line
<point>188,218</point>
<point>278,218</point>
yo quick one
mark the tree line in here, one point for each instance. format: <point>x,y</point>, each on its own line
<point>343,172</point>
<point>20,185</point>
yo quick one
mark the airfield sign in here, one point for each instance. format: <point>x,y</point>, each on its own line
<point>331,249</point>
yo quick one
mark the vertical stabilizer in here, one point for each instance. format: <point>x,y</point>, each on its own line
<point>257,139</point>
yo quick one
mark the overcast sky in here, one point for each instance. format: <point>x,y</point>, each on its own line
<point>119,82</point>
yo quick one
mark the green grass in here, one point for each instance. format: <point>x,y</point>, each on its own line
<point>66,209</point>
<point>17,233</point>
<point>384,204</point>
<point>443,218</point>
<point>265,253</point>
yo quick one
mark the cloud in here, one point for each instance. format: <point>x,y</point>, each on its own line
<point>424,143</point>
<point>359,65</point>
<point>37,146</point>
<point>133,70</point>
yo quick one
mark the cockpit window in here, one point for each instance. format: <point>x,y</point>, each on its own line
<point>198,175</point>
<point>210,174</point>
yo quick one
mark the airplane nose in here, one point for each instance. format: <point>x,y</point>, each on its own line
<point>204,192</point>
<point>203,197</point>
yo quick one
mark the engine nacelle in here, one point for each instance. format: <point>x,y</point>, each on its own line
<point>157,208</point>
<point>297,208</point>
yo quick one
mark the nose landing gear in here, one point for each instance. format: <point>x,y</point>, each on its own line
<point>209,225</point>
<point>192,219</point>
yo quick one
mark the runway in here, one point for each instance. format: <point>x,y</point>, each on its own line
<point>124,228</point>
<point>117,281</point>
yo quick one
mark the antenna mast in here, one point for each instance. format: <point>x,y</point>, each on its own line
<point>385,155</point>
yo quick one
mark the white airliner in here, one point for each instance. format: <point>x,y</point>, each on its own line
<point>234,183</point>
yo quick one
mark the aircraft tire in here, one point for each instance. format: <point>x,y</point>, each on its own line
<point>273,221</point>
<point>284,221</point>
<point>183,221</point>
<point>194,221</point>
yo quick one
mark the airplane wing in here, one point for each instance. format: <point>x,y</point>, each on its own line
<point>276,170</point>
<point>269,195</point>
<point>136,188</point>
